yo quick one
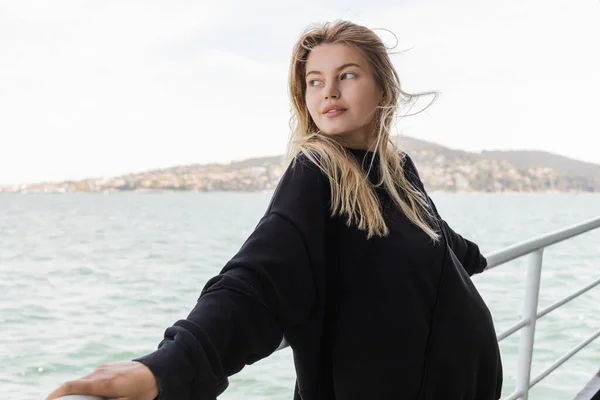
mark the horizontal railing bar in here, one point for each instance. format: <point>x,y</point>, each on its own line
<point>522,323</point>
<point>514,395</point>
<point>567,299</point>
<point>564,358</point>
<point>518,250</point>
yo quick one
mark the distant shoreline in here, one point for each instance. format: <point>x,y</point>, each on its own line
<point>441,170</point>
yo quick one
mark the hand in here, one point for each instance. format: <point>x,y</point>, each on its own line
<point>129,380</point>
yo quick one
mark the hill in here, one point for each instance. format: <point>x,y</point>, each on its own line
<point>441,168</point>
<point>531,159</point>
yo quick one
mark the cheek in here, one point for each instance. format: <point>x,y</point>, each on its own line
<point>312,106</point>
<point>366,103</point>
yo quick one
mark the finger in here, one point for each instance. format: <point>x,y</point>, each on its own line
<point>66,387</point>
<point>94,387</point>
<point>70,387</point>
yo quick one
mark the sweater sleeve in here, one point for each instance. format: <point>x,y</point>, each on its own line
<point>467,252</point>
<point>243,312</point>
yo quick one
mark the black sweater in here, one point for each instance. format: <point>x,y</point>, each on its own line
<point>386,318</point>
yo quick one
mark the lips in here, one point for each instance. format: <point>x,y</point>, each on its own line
<point>333,109</point>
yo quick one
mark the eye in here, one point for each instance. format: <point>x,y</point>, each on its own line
<point>348,73</point>
<point>310,83</point>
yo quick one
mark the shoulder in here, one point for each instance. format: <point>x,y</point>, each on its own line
<point>303,170</point>
<point>303,188</point>
<point>409,168</point>
<point>406,160</point>
<point>300,175</point>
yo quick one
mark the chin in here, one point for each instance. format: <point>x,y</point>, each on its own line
<point>337,130</point>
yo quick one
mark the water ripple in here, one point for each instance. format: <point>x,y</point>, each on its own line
<point>88,279</point>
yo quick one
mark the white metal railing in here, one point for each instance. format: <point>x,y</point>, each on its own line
<point>535,249</point>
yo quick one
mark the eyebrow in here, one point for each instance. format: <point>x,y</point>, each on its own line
<point>337,69</point>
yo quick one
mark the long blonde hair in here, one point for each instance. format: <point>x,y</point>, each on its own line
<point>352,195</point>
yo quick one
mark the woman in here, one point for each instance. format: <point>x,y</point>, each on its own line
<point>351,263</point>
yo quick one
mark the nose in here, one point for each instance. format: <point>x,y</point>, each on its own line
<point>332,92</point>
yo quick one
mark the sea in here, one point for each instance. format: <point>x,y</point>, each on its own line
<point>91,278</point>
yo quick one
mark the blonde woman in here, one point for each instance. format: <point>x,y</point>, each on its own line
<point>351,263</point>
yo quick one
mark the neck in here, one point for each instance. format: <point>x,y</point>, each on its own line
<point>358,140</point>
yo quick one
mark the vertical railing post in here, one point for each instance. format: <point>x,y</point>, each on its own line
<point>532,292</point>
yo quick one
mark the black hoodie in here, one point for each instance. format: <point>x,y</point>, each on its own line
<point>394,317</point>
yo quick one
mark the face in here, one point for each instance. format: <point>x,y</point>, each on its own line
<point>339,76</point>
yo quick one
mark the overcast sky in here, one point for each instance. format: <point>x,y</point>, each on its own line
<point>100,88</point>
